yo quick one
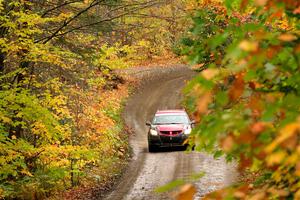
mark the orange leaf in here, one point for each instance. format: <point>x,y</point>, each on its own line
<point>261,155</point>
<point>227,143</point>
<point>259,127</point>
<point>297,11</point>
<point>256,106</point>
<point>237,88</point>
<point>276,15</point>
<point>252,85</point>
<point>244,162</point>
<point>246,137</point>
<point>290,143</point>
<point>287,37</point>
<point>239,195</point>
<point>297,48</point>
<point>277,11</point>
<point>202,105</point>
<point>186,192</point>
<point>290,4</point>
<point>272,51</point>
<point>260,2</point>
<point>278,192</point>
<point>244,3</point>
<point>198,66</point>
<point>258,196</point>
<point>297,171</point>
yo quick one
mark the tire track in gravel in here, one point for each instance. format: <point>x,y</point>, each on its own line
<point>161,89</point>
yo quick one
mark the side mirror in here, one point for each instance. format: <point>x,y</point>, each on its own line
<point>148,123</point>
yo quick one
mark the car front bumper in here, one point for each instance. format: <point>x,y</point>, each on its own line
<point>167,141</point>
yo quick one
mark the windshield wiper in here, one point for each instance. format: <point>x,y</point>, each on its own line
<point>168,123</point>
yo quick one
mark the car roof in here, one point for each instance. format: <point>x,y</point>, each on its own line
<point>170,112</point>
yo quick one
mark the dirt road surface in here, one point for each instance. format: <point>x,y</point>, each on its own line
<point>161,89</point>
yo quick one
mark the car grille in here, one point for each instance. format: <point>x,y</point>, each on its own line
<point>171,132</point>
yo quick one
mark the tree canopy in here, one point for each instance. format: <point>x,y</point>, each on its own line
<point>246,96</point>
<point>60,100</point>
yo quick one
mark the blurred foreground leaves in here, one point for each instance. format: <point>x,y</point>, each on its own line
<point>247,98</point>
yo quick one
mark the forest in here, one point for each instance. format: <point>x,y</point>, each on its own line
<point>60,101</point>
<point>61,98</point>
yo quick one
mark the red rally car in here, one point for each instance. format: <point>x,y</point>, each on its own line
<point>168,128</point>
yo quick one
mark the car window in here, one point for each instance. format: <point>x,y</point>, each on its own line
<point>171,119</point>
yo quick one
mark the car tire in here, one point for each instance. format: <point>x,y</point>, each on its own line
<point>185,147</point>
<point>152,148</point>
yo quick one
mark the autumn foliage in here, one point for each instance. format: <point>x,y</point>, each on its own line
<point>247,96</point>
<point>60,98</point>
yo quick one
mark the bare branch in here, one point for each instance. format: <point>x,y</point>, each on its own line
<point>149,4</point>
<point>67,22</point>
<point>59,6</point>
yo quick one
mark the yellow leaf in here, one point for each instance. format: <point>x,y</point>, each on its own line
<point>285,133</point>
<point>13,137</point>
<point>248,46</point>
<point>209,73</point>
<point>297,195</point>
<point>276,158</point>
<point>1,190</point>
<point>186,192</point>
<point>5,119</point>
<point>277,176</point>
<point>287,37</point>
<point>185,142</point>
<point>26,173</point>
<point>292,159</point>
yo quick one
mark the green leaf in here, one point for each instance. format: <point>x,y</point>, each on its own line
<point>170,186</point>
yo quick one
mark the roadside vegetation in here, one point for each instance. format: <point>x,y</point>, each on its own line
<point>60,99</point>
<point>246,97</point>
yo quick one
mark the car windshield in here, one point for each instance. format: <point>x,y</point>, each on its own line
<point>171,119</point>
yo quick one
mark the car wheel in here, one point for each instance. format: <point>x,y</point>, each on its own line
<point>185,147</point>
<point>152,148</point>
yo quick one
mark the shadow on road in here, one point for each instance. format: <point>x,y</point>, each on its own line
<point>165,149</point>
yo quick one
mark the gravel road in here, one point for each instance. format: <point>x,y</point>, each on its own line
<point>161,89</point>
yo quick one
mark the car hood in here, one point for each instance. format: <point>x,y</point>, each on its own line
<point>170,127</point>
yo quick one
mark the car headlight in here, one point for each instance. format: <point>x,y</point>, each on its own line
<point>153,132</point>
<point>187,130</point>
